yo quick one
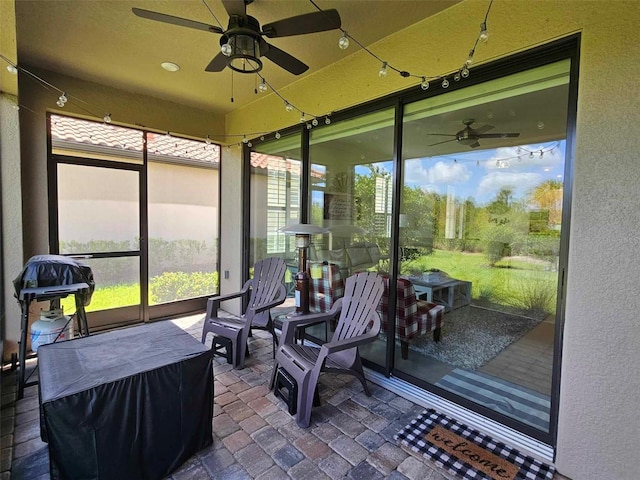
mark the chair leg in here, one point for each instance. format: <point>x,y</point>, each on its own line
<point>358,372</point>
<point>436,334</point>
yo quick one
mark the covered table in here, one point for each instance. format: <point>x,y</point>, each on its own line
<point>128,404</point>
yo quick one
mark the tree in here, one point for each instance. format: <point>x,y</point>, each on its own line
<point>547,196</point>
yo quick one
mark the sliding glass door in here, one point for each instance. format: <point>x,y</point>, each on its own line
<point>481,218</point>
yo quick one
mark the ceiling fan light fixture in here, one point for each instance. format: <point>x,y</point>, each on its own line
<point>245,54</point>
<point>226,49</point>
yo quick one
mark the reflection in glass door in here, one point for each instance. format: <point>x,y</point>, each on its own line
<point>481,218</point>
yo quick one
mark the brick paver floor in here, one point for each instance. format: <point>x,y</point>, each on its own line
<point>351,435</point>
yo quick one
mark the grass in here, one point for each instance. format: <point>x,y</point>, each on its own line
<point>505,283</point>
<point>516,282</point>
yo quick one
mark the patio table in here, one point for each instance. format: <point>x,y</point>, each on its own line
<point>127,404</point>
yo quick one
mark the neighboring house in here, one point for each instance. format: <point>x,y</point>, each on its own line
<point>598,433</point>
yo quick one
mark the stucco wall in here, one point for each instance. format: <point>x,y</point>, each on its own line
<point>599,430</point>
<point>11,218</point>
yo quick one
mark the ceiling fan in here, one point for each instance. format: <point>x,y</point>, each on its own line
<point>471,136</point>
<point>242,43</point>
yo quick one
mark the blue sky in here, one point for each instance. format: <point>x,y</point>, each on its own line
<point>480,174</point>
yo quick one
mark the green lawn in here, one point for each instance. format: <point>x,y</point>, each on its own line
<point>520,283</point>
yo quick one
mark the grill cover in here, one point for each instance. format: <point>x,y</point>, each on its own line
<point>54,271</point>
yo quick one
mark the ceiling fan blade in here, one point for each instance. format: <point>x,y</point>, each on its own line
<point>182,22</point>
<point>475,145</point>
<point>482,129</point>
<point>301,24</point>
<point>235,7</point>
<point>442,134</point>
<point>497,135</point>
<point>439,143</point>
<point>217,64</point>
<point>286,61</point>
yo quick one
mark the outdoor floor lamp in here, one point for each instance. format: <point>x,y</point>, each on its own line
<point>303,232</point>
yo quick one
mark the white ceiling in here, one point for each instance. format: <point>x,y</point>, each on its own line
<point>104,42</point>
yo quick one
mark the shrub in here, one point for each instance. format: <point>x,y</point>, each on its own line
<point>172,286</point>
<point>497,242</point>
<point>535,295</point>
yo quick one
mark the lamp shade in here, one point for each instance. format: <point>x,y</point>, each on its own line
<point>303,229</point>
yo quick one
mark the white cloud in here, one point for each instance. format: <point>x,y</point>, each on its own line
<point>520,183</point>
<point>448,173</point>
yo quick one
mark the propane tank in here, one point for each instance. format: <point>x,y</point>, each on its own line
<point>53,326</point>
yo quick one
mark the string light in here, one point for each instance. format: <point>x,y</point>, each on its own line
<point>470,57</point>
<point>464,72</point>
<point>457,77</point>
<point>424,85</point>
<point>445,83</point>
<point>327,121</point>
<point>263,86</point>
<point>383,70</point>
<point>12,70</point>
<point>484,33</point>
<point>107,118</point>
<point>343,43</point>
<point>208,140</point>
<point>288,107</point>
<point>303,118</point>
<point>277,135</point>
<point>314,122</point>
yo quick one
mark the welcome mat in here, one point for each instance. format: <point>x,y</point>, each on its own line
<point>468,453</point>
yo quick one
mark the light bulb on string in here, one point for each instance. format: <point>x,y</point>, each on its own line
<point>249,144</point>
<point>327,121</point>
<point>288,107</point>
<point>303,118</point>
<point>107,118</point>
<point>383,70</point>
<point>226,49</point>
<point>308,126</point>
<point>60,103</point>
<point>12,69</point>
<point>277,135</point>
<point>263,86</point>
<point>464,72</point>
<point>262,138</point>
<point>457,77</point>
<point>314,122</point>
<point>445,83</point>
<point>63,98</point>
<point>530,154</point>
<point>208,140</point>
<point>424,85</point>
<point>484,34</point>
<point>245,139</point>
<point>470,57</point>
<point>343,43</point>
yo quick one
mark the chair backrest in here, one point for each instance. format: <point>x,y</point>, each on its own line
<point>406,302</point>
<point>361,297</point>
<point>267,282</point>
<point>326,285</point>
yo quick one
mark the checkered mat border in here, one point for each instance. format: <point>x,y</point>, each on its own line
<point>412,436</point>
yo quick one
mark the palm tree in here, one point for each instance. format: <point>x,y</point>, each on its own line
<point>548,196</point>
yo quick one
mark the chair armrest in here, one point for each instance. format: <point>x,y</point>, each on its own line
<point>346,343</point>
<point>289,324</point>
<point>214,302</point>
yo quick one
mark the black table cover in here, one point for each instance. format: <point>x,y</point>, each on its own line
<point>129,404</point>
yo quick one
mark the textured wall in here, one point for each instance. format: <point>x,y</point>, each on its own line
<point>599,430</point>
<point>231,224</point>
<point>11,218</point>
